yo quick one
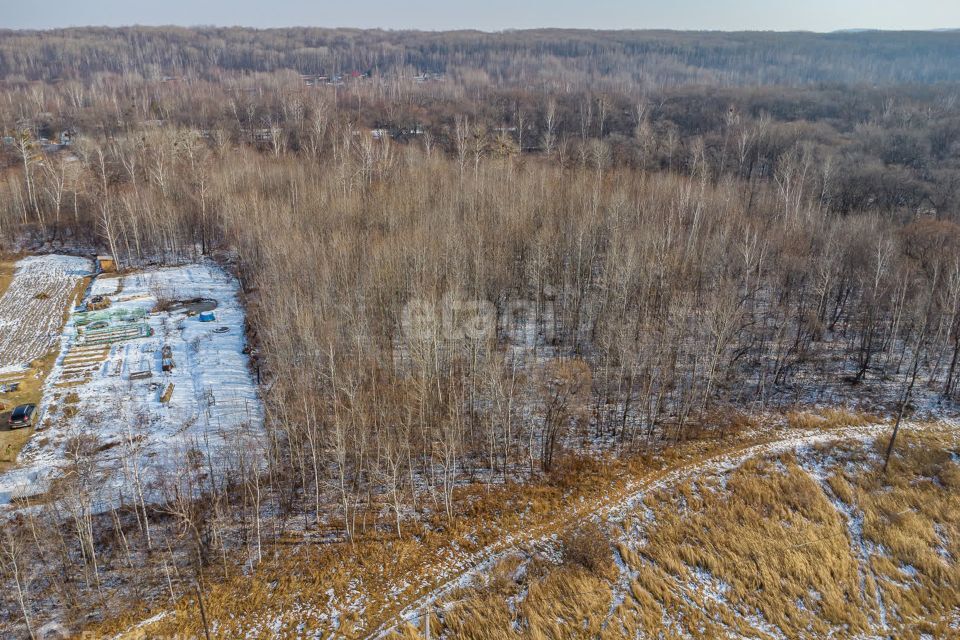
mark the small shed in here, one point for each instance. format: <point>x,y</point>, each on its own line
<point>106,264</point>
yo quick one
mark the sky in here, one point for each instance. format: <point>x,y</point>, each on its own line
<point>492,15</point>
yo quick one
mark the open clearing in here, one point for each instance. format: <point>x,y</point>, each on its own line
<point>37,293</point>
<point>808,543</point>
<point>32,308</point>
<point>612,509</point>
<point>138,390</point>
<point>389,599</point>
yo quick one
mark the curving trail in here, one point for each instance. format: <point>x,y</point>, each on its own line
<point>615,508</point>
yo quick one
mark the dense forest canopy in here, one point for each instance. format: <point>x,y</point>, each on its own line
<point>669,229</point>
<point>549,57</point>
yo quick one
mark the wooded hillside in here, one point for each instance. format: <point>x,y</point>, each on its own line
<point>484,256</point>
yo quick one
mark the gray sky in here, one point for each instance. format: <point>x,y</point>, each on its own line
<point>491,15</point>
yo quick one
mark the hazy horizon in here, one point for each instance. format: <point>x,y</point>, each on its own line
<point>134,25</point>
<point>819,16</point>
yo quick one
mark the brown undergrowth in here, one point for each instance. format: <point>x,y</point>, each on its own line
<point>370,580</point>
<point>7,269</point>
<point>822,543</point>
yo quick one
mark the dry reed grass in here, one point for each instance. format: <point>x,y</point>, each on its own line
<point>830,418</point>
<point>7,269</point>
<point>770,549</point>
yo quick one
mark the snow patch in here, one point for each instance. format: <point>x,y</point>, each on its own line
<point>138,437</point>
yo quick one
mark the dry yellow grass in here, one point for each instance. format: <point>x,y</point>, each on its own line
<point>773,539</point>
<point>789,546</point>
<point>772,549</point>
<point>912,514</point>
<point>299,577</point>
<point>30,392</point>
<point>829,418</point>
<point>7,267</point>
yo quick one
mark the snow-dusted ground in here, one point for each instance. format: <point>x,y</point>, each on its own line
<point>453,569</point>
<point>31,309</point>
<point>133,438</point>
<point>469,569</point>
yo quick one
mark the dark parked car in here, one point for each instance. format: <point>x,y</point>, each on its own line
<point>22,416</point>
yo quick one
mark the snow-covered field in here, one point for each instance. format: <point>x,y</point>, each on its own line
<point>31,309</point>
<point>139,431</point>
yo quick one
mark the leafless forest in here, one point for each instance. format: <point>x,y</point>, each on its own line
<point>612,242</point>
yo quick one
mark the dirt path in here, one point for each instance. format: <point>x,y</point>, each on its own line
<point>443,573</point>
<point>614,508</point>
